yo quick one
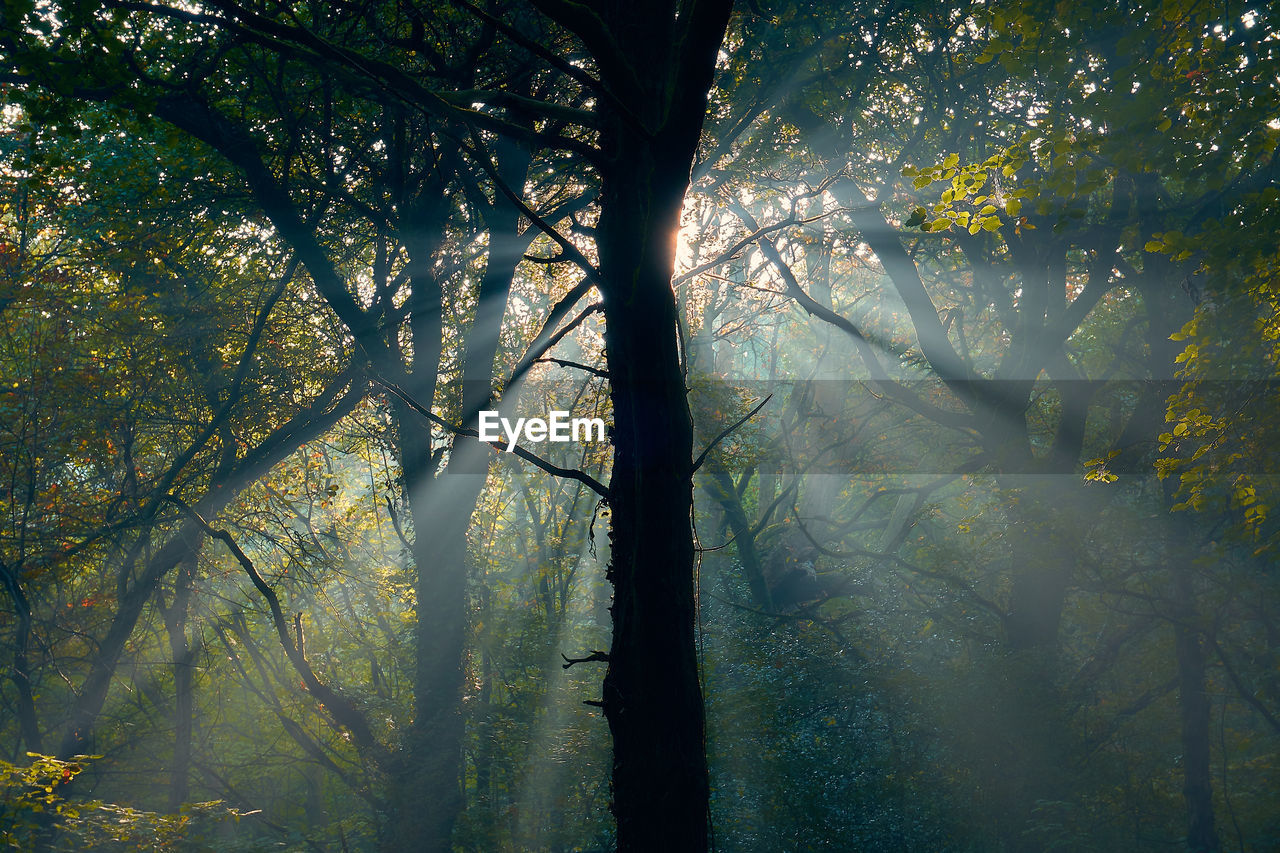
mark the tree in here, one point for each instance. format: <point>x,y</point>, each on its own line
<point>1079,140</point>
<point>192,416</point>
<point>389,169</point>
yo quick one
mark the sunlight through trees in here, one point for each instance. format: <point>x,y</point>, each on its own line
<point>926,355</point>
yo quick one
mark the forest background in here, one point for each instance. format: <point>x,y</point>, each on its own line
<point>937,343</point>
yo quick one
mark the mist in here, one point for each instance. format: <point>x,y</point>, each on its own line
<point>654,427</point>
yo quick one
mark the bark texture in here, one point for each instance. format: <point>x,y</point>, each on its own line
<point>657,66</point>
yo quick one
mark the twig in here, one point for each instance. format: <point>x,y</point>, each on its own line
<point>697,463</point>
<point>395,522</point>
<point>603,657</point>
<point>537,351</point>
<point>595,371</point>
<point>550,467</point>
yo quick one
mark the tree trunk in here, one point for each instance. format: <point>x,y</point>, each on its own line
<point>1043,561</point>
<point>20,669</point>
<point>175,623</point>
<point>718,484</point>
<point>1193,705</point>
<point>656,62</point>
<point>652,696</point>
<point>427,797</point>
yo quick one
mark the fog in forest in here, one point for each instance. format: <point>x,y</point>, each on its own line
<point>934,346</point>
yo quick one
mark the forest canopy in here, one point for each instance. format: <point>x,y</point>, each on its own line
<point>932,350</point>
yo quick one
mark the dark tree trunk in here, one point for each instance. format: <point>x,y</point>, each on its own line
<point>20,671</point>
<point>1193,706</point>
<point>1167,309</point>
<point>428,796</point>
<point>175,623</point>
<point>658,67</point>
<point>652,696</point>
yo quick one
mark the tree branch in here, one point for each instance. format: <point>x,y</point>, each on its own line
<point>550,467</point>
<point>602,657</point>
<point>697,463</point>
<point>343,711</point>
<point>879,376</point>
<point>481,154</point>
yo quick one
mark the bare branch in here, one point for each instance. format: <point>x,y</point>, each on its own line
<point>344,712</point>
<point>538,351</point>
<point>395,523</point>
<point>482,157</point>
<point>697,463</point>
<point>602,657</point>
<point>550,467</point>
<point>594,371</point>
<point>957,420</point>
